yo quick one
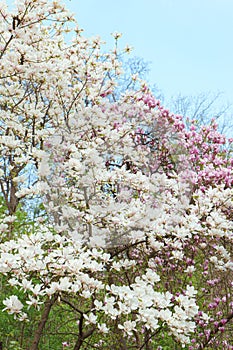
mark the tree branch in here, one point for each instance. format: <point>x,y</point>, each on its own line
<point>44,318</point>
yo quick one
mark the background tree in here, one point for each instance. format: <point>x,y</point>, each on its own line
<point>202,107</point>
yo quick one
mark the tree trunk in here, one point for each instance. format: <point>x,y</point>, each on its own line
<point>45,315</point>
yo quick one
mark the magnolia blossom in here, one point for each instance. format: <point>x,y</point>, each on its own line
<point>128,327</point>
<point>13,305</point>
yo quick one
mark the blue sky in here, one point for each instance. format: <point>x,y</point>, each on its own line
<point>188,42</point>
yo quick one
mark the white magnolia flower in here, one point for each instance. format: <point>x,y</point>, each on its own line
<point>64,284</point>
<point>91,318</point>
<point>13,305</point>
<point>103,328</point>
<point>128,327</point>
<point>190,291</point>
<point>33,302</point>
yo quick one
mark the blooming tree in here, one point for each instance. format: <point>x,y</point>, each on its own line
<point>133,247</point>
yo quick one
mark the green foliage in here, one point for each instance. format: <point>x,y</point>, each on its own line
<point>18,226</point>
<point>13,345</point>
